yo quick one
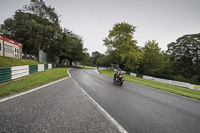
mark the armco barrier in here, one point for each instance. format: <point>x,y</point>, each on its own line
<point>33,69</point>
<point>19,71</point>
<point>162,80</point>
<point>133,74</point>
<point>139,75</point>
<point>5,74</point>
<point>147,77</point>
<point>40,67</point>
<point>196,87</point>
<point>178,83</point>
<point>172,82</point>
<point>123,72</point>
<point>45,66</point>
<point>49,66</point>
<point>10,73</point>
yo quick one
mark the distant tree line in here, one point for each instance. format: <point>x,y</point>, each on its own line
<point>37,27</point>
<point>180,62</point>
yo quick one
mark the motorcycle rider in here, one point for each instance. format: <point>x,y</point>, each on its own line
<point>116,76</point>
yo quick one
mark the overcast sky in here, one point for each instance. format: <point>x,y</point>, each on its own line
<point>160,20</point>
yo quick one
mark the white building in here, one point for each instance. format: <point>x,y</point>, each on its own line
<point>10,48</point>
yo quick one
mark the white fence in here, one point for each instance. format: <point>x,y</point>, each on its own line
<point>19,71</point>
<point>40,67</point>
<point>172,82</point>
<point>49,66</point>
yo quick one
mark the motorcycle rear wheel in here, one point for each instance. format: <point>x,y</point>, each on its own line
<point>120,82</point>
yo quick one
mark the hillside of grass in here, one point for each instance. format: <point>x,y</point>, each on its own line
<point>9,62</point>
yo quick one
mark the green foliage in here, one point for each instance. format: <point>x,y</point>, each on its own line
<point>86,60</point>
<point>120,33</point>
<point>153,60</point>
<point>185,57</point>
<point>37,27</point>
<point>95,56</point>
<point>195,79</point>
<point>122,47</point>
<point>103,60</point>
<point>131,56</point>
<point>39,8</point>
<point>71,46</point>
<point>180,78</point>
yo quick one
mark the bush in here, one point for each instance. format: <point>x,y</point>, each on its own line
<point>194,79</point>
<point>181,78</point>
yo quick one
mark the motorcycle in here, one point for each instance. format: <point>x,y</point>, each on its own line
<point>118,79</point>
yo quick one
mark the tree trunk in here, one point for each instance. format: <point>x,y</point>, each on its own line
<point>60,60</point>
<point>70,60</point>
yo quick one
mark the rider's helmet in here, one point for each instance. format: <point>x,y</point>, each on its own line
<point>118,71</point>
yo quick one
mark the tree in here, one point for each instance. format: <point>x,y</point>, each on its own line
<point>121,45</point>
<point>36,26</point>
<point>39,8</point>
<point>102,61</point>
<point>95,56</point>
<point>153,60</point>
<point>185,53</point>
<point>86,58</point>
<point>71,47</point>
<point>76,48</point>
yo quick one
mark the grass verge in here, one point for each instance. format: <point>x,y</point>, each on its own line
<point>32,81</point>
<point>166,87</point>
<point>9,62</point>
<point>88,68</point>
<point>83,66</point>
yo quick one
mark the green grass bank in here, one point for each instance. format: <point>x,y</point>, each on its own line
<point>166,87</point>
<point>32,81</point>
<point>9,62</point>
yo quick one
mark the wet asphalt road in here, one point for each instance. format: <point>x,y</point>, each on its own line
<point>141,109</point>
<point>58,108</point>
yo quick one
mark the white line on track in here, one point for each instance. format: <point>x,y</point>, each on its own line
<point>108,116</point>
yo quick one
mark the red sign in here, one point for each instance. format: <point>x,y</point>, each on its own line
<point>1,37</point>
<point>10,41</point>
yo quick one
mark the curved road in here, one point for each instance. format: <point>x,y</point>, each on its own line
<point>58,107</point>
<point>138,108</point>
